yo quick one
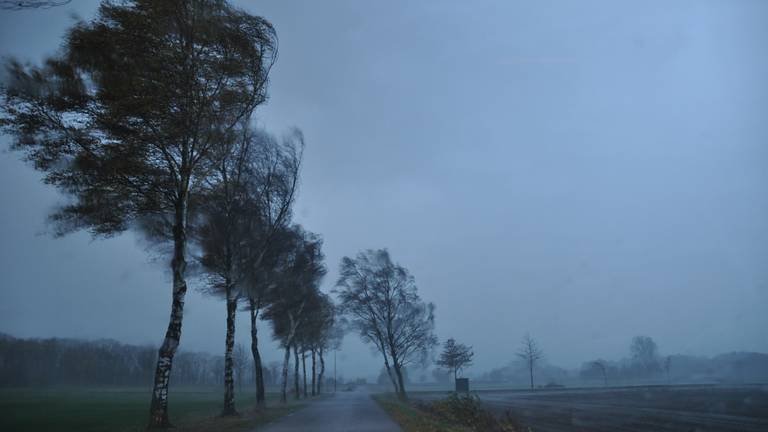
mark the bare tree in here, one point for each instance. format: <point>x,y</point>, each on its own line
<point>531,354</point>
<point>455,356</point>
<point>381,300</point>
<point>125,118</point>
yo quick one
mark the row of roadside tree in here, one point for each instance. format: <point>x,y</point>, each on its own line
<point>144,120</point>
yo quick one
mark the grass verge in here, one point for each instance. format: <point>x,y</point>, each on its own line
<point>453,414</point>
<point>127,410</point>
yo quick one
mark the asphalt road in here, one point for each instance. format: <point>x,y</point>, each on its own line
<point>352,411</point>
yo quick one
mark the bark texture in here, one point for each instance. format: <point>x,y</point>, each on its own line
<point>229,382</point>
<point>158,411</point>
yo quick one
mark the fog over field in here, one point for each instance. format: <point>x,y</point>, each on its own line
<point>585,172</point>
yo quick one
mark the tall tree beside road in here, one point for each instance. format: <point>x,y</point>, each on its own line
<point>124,120</point>
<point>380,299</point>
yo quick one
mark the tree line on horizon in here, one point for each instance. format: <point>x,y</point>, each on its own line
<point>643,365</point>
<point>51,362</point>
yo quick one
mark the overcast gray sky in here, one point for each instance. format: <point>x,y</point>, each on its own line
<point>583,171</point>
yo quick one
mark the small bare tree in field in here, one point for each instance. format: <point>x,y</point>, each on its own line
<point>531,354</point>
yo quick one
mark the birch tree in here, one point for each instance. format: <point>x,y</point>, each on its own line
<point>272,193</point>
<point>248,194</point>
<point>294,289</point>
<point>531,354</point>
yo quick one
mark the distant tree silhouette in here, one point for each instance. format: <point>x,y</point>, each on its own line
<point>531,354</point>
<point>645,354</point>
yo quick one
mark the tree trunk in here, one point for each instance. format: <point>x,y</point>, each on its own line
<point>314,372</point>
<point>304,371</point>
<point>401,384</point>
<point>296,389</point>
<point>288,341</point>
<point>286,358</point>
<point>386,365</point>
<point>158,410</point>
<point>229,382</point>
<point>321,375</point>
<point>258,371</point>
<point>391,376</point>
<point>530,366</point>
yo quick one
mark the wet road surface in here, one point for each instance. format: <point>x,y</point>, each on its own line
<point>342,412</point>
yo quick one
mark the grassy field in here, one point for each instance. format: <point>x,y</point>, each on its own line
<point>126,410</point>
<point>713,408</point>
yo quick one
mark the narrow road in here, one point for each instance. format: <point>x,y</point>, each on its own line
<point>353,411</point>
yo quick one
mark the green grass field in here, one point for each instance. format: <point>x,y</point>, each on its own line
<point>127,409</point>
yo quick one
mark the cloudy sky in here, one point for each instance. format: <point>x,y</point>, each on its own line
<point>584,171</point>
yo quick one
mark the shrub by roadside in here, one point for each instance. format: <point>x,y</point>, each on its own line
<point>453,414</point>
